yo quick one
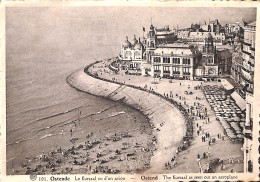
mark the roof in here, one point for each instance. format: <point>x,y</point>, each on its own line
<point>226,84</point>
<point>162,29</point>
<point>134,41</point>
<point>139,45</point>
<point>175,45</point>
<point>205,34</point>
<point>224,54</point>
<point>252,23</point>
<point>175,50</point>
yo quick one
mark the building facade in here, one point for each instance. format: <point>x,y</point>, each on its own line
<point>174,61</point>
<point>248,63</point>
<point>247,80</point>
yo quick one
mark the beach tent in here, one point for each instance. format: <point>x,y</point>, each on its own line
<point>239,100</point>
<point>226,84</point>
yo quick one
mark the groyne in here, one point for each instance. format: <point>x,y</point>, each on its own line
<point>167,118</point>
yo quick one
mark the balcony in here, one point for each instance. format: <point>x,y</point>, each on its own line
<point>166,71</point>
<point>186,73</point>
<point>157,62</point>
<point>248,53</point>
<point>157,71</point>
<point>244,69</point>
<point>247,80</point>
<point>246,43</point>
<point>252,57</point>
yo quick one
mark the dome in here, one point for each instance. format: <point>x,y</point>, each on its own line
<point>139,45</point>
<point>134,41</point>
<point>126,43</point>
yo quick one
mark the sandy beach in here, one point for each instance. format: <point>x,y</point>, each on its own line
<point>155,108</point>
<point>109,128</point>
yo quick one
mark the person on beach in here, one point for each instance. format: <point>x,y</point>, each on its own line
<point>198,132</point>
<point>204,155</point>
<point>71,132</point>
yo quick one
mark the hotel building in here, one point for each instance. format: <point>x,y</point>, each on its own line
<point>247,80</point>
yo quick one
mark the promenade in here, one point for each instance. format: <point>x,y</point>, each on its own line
<point>177,90</point>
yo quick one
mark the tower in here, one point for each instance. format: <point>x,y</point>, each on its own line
<point>209,57</point>
<point>151,38</point>
<point>150,43</point>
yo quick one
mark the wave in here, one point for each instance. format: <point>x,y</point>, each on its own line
<point>112,115</point>
<point>66,122</point>
<point>46,136</point>
<point>48,117</point>
<point>99,112</point>
<point>19,141</point>
<point>54,115</point>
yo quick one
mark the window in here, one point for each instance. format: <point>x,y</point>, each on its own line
<point>186,60</point>
<point>176,70</point>
<point>156,68</point>
<point>166,60</point>
<point>186,70</point>
<point>157,59</point>
<point>176,60</point>
<point>137,55</point>
<point>128,54</point>
<point>166,69</point>
<point>210,60</point>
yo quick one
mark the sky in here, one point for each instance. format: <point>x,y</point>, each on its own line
<point>83,27</point>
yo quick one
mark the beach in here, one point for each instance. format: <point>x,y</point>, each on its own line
<point>161,114</point>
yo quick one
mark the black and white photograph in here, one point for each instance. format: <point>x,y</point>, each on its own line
<point>130,90</point>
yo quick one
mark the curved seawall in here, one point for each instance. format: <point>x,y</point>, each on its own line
<point>161,113</point>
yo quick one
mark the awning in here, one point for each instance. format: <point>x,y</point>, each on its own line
<point>226,84</point>
<point>239,100</point>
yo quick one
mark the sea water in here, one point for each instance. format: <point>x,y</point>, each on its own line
<point>43,47</point>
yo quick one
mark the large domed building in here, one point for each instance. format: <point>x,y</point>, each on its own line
<point>132,53</point>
